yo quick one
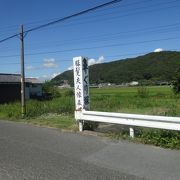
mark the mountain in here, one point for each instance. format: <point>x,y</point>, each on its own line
<point>152,67</point>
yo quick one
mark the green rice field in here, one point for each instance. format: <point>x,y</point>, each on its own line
<point>157,100</point>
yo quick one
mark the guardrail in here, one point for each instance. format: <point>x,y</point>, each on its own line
<point>160,122</point>
<point>82,113</point>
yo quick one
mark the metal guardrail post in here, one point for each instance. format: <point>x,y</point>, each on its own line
<point>131,132</point>
<point>81,126</point>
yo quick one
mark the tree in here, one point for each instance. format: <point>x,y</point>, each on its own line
<point>176,82</point>
<point>50,89</point>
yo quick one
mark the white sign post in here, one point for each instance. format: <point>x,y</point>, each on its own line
<point>81,85</point>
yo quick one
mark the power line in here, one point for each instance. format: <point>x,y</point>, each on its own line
<point>110,45</point>
<point>53,19</point>
<point>110,37</point>
<point>112,18</point>
<point>130,4</point>
<point>135,9</point>
<point>94,47</point>
<point>113,36</point>
<point>64,19</point>
<point>10,37</point>
<point>96,19</point>
<point>150,29</point>
<point>110,56</point>
<point>72,16</point>
<point>93,41</point>
<point>14,27</point>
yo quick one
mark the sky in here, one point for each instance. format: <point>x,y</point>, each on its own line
<point>127,29</point>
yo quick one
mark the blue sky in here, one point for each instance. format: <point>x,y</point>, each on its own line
<point>127,29</point>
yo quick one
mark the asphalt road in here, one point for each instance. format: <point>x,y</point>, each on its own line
<point>35,153</point>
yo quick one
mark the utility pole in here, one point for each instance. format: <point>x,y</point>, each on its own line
<point>23,103</point>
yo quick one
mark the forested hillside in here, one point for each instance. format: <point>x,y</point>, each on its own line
<point>151,68</point>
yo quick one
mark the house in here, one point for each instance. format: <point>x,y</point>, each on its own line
<point>10,87</point>
<point>64,85</point>
<point>35,87</point>
<point>134,83</point>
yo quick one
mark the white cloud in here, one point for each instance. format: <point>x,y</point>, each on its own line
<point>49,60</point>
<point>50,63</point>
<point>55,74</point>
<point>158,50</point>
<point>92,62</point>
<point>45,76</point>
<point>48,76</point>
<point>70,68</point>
<point>31,68</point>
<point>98,61</point>
<point>36,77</point>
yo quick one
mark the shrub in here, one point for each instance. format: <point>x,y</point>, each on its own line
<point>11,110</point>
<point>69,93</point>
<point>142,92</point>
<point>176,82</point>
<point>163,138</point>
<point>49,88</point>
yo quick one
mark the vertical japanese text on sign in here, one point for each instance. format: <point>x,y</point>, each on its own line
<point>81,83</point>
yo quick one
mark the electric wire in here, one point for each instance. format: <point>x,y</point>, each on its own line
<point>94,47</point>
<point>110,36</point>
<point>105,14</point>
<point>14,27</point>
<point>64,19</point>
<point>109,56</point>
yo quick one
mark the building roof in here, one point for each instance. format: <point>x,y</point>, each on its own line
<point>10,78</point>
<point>16,78</point>
<point>33,80</point>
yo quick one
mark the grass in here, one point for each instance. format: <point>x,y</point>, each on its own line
<point>159,101</point>
<point>163,138</point>
<point>56,121</point>
<point>60,121</point>
<point>59,112</point>
<point>35,108</point>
